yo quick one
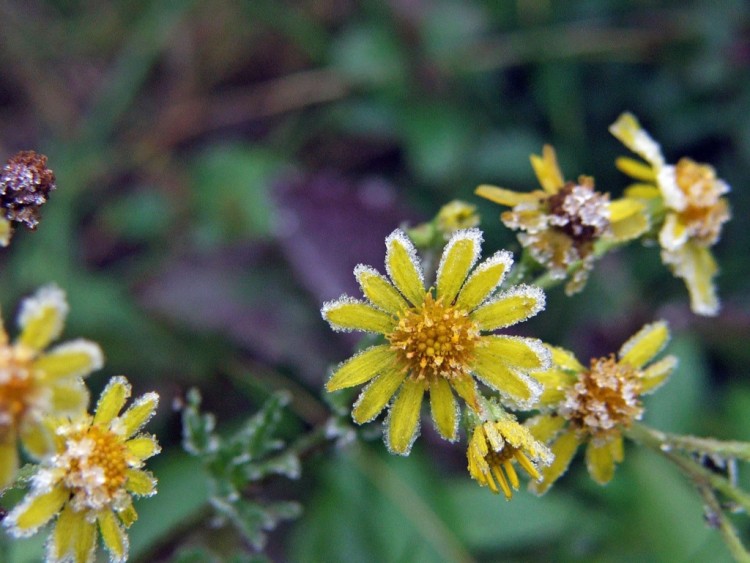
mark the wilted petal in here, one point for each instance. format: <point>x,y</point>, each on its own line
<point>695,264</point>
<point>547,170</point>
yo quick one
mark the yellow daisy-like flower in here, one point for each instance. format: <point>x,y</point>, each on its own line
<point>561,222</point>
<point>593,405</point>
<point>35,383</point>
<point>91,479</point>
<point>690,193</point>
<point>493,448</point>
<point>433,337</point>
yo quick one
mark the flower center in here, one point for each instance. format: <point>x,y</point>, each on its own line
<point>435,340</point>
<point>706,210</point>
<point>604,398</point>
<point>579,211</point>
<point>17,389</point>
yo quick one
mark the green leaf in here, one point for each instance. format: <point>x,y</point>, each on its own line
<point>198,429</point>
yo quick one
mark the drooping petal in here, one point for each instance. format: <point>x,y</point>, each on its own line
<point>8,459</point>
<point>349,314</point>
<point>459,256</point>
<point>523,353</point>
<point>35,511</point>
<point>444,409</point>
<point>377,394</point>
<point>547,170</point>
<point>379,290</point>
<point>362,367</point>
<point>635,169</point>
<point>645,344</point>
<point>674,233</point>
<point>74,538</point>
<point>515,386</point>
<point>72,359</point>
<point>143,447</point>
<point>601,459</point>
<point>403,418</point>
<point>138,414</point>
<point>115,538</point>
<point>696,265</point>
<point>403,267</point>
<point>42,317</point>
<point>506,197</point>
<point>139,482</point>
<point>656,374</point>
<point>564,448</point>
<point>484,280</point>
<point>544,427</point>
<point>112,400</point>
<point>510,307</point>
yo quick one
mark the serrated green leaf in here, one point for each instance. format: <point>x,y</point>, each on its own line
<point>198,436</point>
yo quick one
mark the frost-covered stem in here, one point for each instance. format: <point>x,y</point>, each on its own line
<point>719,520</point>
<point>728,449</point>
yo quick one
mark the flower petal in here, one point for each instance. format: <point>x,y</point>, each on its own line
<point>403,267</point>
<point>601,460</point>
<point>642,191</point>
<point>377,394</point>
<point>466,388</point>
<point>362,367</point>
<point>674,233</point>
<point>444,409</point>
<point>645,344</point>
<point>127,513</point>
<point>555,382</point>
<point>516,351</point>
<point>510,307</point>
<point>564,448</point>
<point>635,169</point>
<point>545,427</point>
<point>37,439</point>
<point>139,414</point>
<point>379,290</point>
<point>349,314</point>
<point>459,256</point>
<point>506,197</point>
<point>565,359</point>
<point>112,400</point>
<point>6,231</point>
<point>547,170</point>
<point>42,317</point>
<point>628,219</point>
<point>72,359</point>
<point>695,264</point>
<point>74,538</point>
<point>139,482</point>
<point>115,538</point>
<point>35,511</point>
<point>656,374</point>
<point>403,418</point>
<point>518,387</point>
<point>143,447</point>
<point>484,280</point>
<point>631,134</point>
<point>8,459</point>
<point>69,397</point>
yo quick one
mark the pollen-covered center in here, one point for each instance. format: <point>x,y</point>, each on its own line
<point>17,388</point>
<point>605,397</point>
<point>706,210</point>
<point>96,467</point>
<point>579,211</point>
<point>435,340</point>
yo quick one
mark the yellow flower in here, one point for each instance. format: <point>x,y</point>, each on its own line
<point>561,222</point>
<point>433,337</point>
<point>455,216</point>
<point>593,405</point>
<point>495,445</point>
<point>35,383</point>
<point>690,194</point>
<point>90,480</point>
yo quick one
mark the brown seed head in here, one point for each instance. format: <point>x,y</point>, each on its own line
<point>25,184</point>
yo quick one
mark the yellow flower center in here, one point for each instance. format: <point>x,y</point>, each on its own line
<point>706,210</point>
<point>604,398</point>
<point>435,340</point>
<point>17,387</point>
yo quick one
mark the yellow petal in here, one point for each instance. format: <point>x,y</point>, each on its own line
<point>6,231</point>
<point>628,219</point>
<point>36,510</point>
<point>544,427</point>
<point>513,385</point>
<point>555,383</point>
<point>695,264</point>
<point>403,267</point>
<point>645,344</point>
<point>629,132</point>
<point>674,233</point>
<point>403,418</point>
<point>505,197</point>
<point>115,538</point>
<point>42,317</point>
<point>377,394</point>
<point>444,409</point>
<point>362,367</point>
<point>72,359</point>
<point>8,459</point>
<point>143,447</point>
<point>656,374</point>
<point>379,290</point>
<point>37,439</point>
<point>564,448</point>
<point>565,359</point>
<point>112,400</point>
<point>466,388</point>
<point>547,170</point>
<point>484,280</point>
<point>74,538</point>
<point>635,169</point>
<point>510,307</point>
<point>139,413</point>
<point>642,191</point>
<point>350,314</point>
<point>516,351</point>
<point>459,255</point>
<point>127,513</point>
<point>139,482</point>
<point>69,398</point>
<point>601,460</point>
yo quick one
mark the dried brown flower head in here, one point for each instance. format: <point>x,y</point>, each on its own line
<point>25,184</point>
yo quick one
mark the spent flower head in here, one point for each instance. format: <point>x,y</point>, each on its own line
<point>433,337</point>
<point>90,480</point>
<point>593,405</point>
<point>688,198</point>
<point>35,383</point>
<point>561,223</point>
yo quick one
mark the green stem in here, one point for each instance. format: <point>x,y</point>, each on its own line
<point>728,449</point>
<point>719,520</point>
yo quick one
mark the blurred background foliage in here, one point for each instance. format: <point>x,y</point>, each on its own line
<point>222,166</point>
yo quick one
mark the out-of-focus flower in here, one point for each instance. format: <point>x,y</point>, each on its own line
<point>35,383</point>
<point>688,196</point>
<point>90,481</point>
<point>561,223</point>
<point>455,216</point>
<point>493,448</point>
<point>25,184</point>
<point>594,405</point>
<point>433,337</point>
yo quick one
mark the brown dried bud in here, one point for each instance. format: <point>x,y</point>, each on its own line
<point>25,184</point>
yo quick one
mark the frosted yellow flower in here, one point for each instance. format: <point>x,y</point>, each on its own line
<point>90,481</point>
<point>433,337</point>
<point>690,194</point>
<point>493,448</point>
<point>561,222</point>
<point>35,383</point>
<point>593,405</point>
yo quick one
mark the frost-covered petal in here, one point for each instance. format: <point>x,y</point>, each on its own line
<point>35,511</point>
<point>510,307</point>
<point>138,414</point>
<point>72,359</point>
<point>127,513</point>
<point>377,395</point>
<point>403,418</point>
<point>506,197</point>
<point>8,460</point>
<point>555,381</point>
<point>642,191</point>
<point>466,388</point>
<point>545,427</point>
<point>632,135</point>
<point>37,439</point>
<point>379,290</point>
<point>563,450</point>
<point>112,400</point>
<point>444,409</point>
<point>547,170</point>
<point>674,233</point>
<point>635,169</point>
<point>143,446</point>
<point>565,359</point>
<point>523,353</point>
<point>484,280</point>
<point>42,317</point>
<point>696,265</point>
<point>139,482</point>
<point>69,397</point>
<point>114,536</point>
<point>349,314</point>
<point>628,219</point>
<point>459,256</point>
<point>601,459</point>
<point>645,344</point>
<point>656,374</point>
<point>73,539</point>
<point>513,385</point>
<point>403,267</point>
<point>362,367</point>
